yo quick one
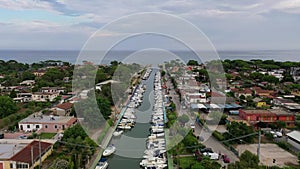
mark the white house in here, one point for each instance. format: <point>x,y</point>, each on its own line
<point>195,98</point>
<point>44,97</point>
<point>28,82</point>
<point>53,89</point>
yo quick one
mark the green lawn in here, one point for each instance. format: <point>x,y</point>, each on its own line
<point>47,135</point>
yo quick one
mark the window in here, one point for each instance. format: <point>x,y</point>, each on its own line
<point>28,126</point>
<point>11,165</point>
<point>37,126</point>
<point>46,126</point>
<point>55,126</point>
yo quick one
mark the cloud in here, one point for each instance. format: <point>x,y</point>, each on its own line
<point>289,6</point>
<point>25,5</point>
<point>227,23</point>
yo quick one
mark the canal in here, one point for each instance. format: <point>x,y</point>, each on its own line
<point>130,146</point>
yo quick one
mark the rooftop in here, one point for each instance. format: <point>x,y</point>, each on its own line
<point>47,119</point>
<point>43,93</point>
<point>261,112</point>
<point>31,150</point>
<point>9,149</point>
<point>280,112</point>
<point>65,106</point>
<point>295,135</point>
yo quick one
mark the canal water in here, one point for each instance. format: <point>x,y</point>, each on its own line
<point>130,146</point>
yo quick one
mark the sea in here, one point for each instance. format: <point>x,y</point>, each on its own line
<point>34,56</point>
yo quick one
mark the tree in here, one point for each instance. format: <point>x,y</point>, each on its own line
<point>163,73</point>
<point>13,94</point>
<point>299,158</point>
<point>242,97</point>
<point>27,76</point>
<point>256,75</point>
<point>104,106</point>
<point>270,79</point>
<point>228,76</point>
<point>247,161</point>
<point>183,119</point>
<point>236,129</point>
<point>193,63</point>
<point>7,106</point>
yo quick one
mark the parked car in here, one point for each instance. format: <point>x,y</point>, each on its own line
<point>206,150</point>
<point>278,134</point>
<point>192,125</point>
<point>23,137</point>
<point>212,156</point>
<point>225,159</point>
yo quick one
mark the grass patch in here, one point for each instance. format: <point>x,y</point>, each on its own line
<point>47,135</point>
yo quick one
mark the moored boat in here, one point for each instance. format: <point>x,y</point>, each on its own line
<point>109,150</point>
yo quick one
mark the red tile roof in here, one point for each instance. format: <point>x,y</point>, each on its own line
<point>65,106</point>
<point>25,154</point>
<point>245,91</point>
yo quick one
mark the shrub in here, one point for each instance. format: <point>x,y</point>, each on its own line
<point>218,135</point>
<point>284,145</point>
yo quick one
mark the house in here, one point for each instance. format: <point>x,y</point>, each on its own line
<point>23,97</point>
<point>282,115</point>
<point>257,116</point>
<point>295,72</point>
<point>264,93</point>
<point>195,98</point>
<point>39,72</point>
<point>66,79</point>
<point>28,82</point>
<point>293,138</point>
<point>267,116</point>
<point>64,109</point>
<point>261,104</point>
<point>44,97</point>
<point>15,154</point>
<point>47,124</point>
<point>246,92</point>
<point>53,89</point>
<point>236,84</point>
<point>288,104</point>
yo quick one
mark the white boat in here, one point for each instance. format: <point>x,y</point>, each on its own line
<point>124,127</point>
<point>117,133</point>
<point>161,166</point>
<point>159,135</point>
<point>102,165</point>
<point>152,161</point>
<point>109,150</point>
<point>154,150</point>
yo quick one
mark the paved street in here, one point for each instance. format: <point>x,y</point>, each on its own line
<point>215,144</point>
<point>211,141</point>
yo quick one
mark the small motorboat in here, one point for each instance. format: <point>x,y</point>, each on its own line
<point>102,164</point>
<point>117,133</point>
<point>109,150</point>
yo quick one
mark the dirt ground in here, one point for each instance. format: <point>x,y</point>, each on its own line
<point>268,152</point>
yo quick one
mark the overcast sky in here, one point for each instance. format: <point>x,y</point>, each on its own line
<point>229,24</point>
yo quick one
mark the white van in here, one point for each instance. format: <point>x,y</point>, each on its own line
<point>212,156</point>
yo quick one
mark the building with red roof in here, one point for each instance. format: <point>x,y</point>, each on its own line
<point>21,154</point>
<point>64,109</point>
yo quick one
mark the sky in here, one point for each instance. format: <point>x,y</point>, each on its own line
<point>229,24</point>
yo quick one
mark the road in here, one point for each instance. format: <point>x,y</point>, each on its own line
<point>215,144</point>
<point>211,141</point>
